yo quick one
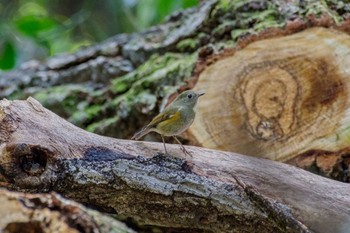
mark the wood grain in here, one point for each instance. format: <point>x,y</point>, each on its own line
<point>36,213</point>
<point>278,98</point>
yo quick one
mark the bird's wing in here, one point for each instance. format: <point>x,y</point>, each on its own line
<point>167,114</point>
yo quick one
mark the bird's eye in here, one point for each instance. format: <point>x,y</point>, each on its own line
<point>189,96</point>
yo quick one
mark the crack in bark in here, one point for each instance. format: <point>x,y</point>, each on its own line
<point>155,183</point>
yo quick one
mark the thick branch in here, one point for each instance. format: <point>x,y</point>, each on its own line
<point>111,58</point>
<point>213,192</point>
<point>51,213</point>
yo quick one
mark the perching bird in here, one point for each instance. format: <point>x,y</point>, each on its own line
<point>175,118</point>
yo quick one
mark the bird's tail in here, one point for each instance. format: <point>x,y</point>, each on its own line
<point>141,133</point>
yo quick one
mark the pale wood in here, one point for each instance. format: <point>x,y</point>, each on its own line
<point>213,192</point>
<point>26,213</point>
<point>279,97</point>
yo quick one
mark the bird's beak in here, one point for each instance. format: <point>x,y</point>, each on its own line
<point>200,93</point>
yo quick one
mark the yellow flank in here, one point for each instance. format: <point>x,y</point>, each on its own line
<point>170,125</point>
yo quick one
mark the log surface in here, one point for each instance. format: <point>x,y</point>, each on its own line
<point>279,97</point>
<point>212,192</point>
<point>37,213</point>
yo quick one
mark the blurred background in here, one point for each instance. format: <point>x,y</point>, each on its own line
<point>36,29</point>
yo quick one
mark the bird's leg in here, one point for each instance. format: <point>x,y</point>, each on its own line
<point>183,149</point>
<point>166,152</point>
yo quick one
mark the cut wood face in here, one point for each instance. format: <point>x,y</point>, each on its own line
<point>277,98</point>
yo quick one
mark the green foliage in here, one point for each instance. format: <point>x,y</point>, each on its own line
<point>146,15</point>
<point>7,55</point>
<point>35,29</point>
<point>33,26</point>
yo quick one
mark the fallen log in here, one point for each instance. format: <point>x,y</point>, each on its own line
<point>214,191</point>
<point>27,213</point>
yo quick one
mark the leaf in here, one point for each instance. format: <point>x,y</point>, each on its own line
<point>31,25</point>
<point>189,3</point>
<point>7,55</point>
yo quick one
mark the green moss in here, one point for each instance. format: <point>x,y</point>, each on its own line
<point>103,125</point>
<point>339,7</point>
<point>237,33</point>
<point>64,99</point>
<point>158,71</point>
<point>187,45</point>
<point>267,19</point>
<point>261,19</point>
<point>239,18</point>
<point>84,113</point>
<point>77,103</point>
<point>238,5</point>
<point>120,85</point>
<point>224,27</point>
<point>141,90</point>
<point>157,66</point>
<point>224,5</point>
<point>248,17</point>
<point>319,8</point>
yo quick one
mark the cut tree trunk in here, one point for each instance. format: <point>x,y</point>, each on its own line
<point>35,213</point>
<point>279,97</point>
<point>213,191</point>
<point>284,98</point>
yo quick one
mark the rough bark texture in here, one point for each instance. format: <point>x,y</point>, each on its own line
<point>212,192</point>
<point>39,213</point>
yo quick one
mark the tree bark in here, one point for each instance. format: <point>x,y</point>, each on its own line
<point>27,213</point>
<point>213,191</point>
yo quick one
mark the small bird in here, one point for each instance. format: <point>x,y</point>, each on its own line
<point>174,119</point>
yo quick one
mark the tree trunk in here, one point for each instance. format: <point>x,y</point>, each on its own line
<point>212,191</point>
<point>28,213</point>
<point>274,103</point>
